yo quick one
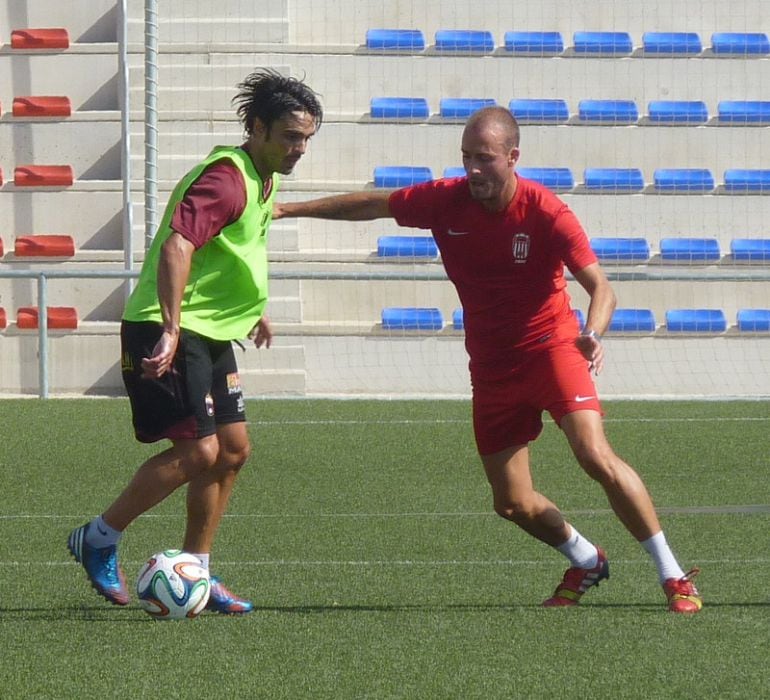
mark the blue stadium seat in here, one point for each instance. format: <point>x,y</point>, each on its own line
<point>406,246</point>
<point>677,112</point>
<point>612,111</point>
<point>624,320</point>
<point>621,249</point>
<point>614,179</point>
<point>748,112</point>
<point>411,318</point>
<point>399,108</point>
<point>400,175</point>
<point>672,43</point>
<point>458,320</point>
<point>537,43</point>
<point>696,320</point>
<point>533,110</point>
<point>463,107</point>
<point>689,249</point>
<point>739,44</point>
<point>553,178</point>
<point>603,42</point>
<point>683,180</point>
<point>454,171</point>
<point>757,181</point>
<point>395,39</point>
<point>754,320</point>
<point>752,249</point>
<point>464,40</point>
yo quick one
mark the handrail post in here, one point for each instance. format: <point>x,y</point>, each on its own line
<point>42,342</point>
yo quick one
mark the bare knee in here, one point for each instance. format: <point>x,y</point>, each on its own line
<point>198,455</point>
<point>232,457</point>
<point>600,463</point>
<point>514,509</point>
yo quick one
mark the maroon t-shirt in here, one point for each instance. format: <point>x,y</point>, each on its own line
<point>215,200</point>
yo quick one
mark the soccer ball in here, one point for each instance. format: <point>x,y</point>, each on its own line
<point>172,585</point>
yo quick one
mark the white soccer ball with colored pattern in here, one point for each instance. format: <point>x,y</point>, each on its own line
<point>172,585</point>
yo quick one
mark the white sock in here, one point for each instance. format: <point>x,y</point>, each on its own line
<point>580,552</point>
<point>664,559</point>
<point>204,558</point>
<point>100,534</point>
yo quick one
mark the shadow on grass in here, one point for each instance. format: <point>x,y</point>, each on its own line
<point>83,613</point>
<point>131,615</point>
<point>484,607</point>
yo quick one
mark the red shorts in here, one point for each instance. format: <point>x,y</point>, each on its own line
<point>507,411</point>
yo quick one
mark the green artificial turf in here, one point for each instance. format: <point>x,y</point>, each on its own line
<point>363,532</point>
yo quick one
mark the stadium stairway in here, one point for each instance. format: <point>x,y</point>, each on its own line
<point>329,333</point>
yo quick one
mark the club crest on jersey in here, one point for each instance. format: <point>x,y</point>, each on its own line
<point>520,247</point>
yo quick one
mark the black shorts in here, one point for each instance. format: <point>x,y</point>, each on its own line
<point>201,391</point>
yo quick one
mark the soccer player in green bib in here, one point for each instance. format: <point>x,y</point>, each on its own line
<point>203,285</point>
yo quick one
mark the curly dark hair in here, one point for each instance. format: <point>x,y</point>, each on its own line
<point>268,95</point>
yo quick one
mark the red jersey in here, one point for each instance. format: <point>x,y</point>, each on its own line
<point>507,267</point>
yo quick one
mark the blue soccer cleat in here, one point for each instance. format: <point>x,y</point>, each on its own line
<point>101,565</point>
<point>221,600</point>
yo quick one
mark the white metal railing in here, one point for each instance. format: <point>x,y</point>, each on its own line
<point>42,277</point>
<point>150,120</point>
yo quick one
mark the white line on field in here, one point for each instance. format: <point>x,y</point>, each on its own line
<point>462,421</point>
<point>740,509</point>
<point>396,562</point>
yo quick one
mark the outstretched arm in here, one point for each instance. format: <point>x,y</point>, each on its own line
<point>356,206</point>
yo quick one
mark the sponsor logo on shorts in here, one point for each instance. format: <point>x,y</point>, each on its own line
<point>520,247</point>
<point>241,407</point>
<point>126,362</point>
<point>209,405</point>
<point>580,398</point>
<point>457,233</point>
<point>233,383</point>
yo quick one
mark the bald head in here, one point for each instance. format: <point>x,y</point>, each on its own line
<point>490,151</point>
<point>498,119</point>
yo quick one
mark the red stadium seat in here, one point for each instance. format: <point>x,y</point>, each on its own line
<point>61,317</point>
<point>43,176</point>
<point>40,39</point>
<point>44,245</point>
<point>3,318</point>
<point>42,106</point>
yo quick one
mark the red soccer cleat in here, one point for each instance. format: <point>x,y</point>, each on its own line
<point>683,596</point>
<point>577,581</point>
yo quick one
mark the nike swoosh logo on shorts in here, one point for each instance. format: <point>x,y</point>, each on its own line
<point>580,399</point>
<point>457,233</point>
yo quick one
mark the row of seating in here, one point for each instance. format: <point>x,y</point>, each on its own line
<point>623,320</point>
<point>516,42</point>
<point>41,106</point>
<point>37,39</point>
<point>431,319</point>
<point>610,249</point>
<point>586,43</point>
<point>619,180</point>
<point>41,176</point>
<point>28,318</point>
<point>42,245</point>
<point>557,111</point>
